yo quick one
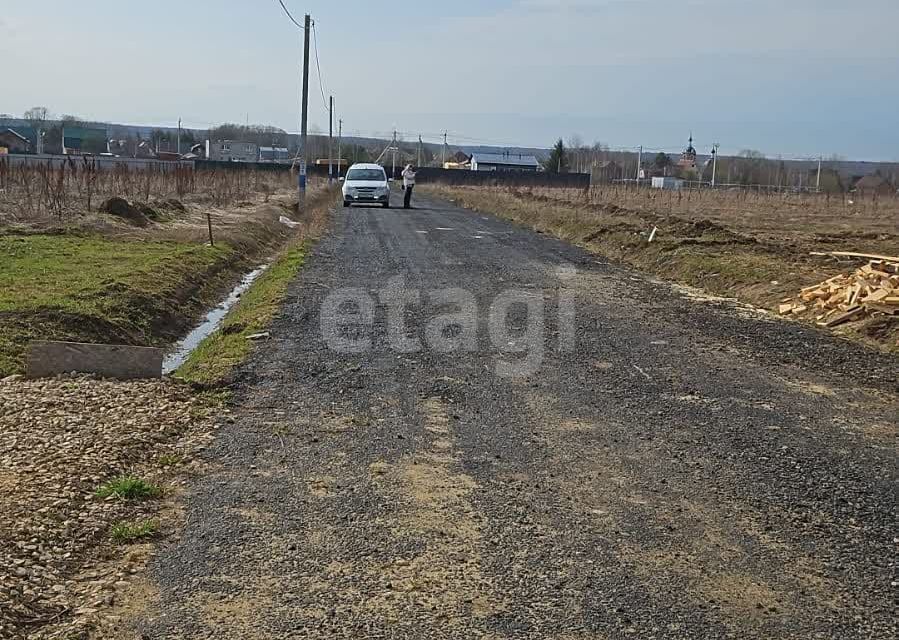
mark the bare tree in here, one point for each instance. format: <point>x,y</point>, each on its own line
<point>36,117</point>
<point>576,152</point>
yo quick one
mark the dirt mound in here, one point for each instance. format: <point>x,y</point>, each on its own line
<point>121,208</point>
<point>172,204</point>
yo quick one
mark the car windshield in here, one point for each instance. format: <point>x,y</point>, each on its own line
<point>366,174</point>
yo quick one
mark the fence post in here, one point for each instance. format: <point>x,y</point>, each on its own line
<point>209,225</point>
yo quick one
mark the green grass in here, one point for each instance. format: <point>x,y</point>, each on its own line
<point>91,288</point>
<point>217,356</point>
<point>170,460</point>
<point>129,488</point>
<point>132,531</point>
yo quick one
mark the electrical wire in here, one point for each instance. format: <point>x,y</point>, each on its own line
<point>318,67</point>
<point>281,2</point>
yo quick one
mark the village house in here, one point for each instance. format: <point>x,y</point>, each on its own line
<point>232,151</point>
<point>14,142</point>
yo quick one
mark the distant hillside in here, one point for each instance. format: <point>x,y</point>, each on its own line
<point>846,168</point>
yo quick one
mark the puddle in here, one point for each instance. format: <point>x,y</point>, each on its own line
<point>184,347</point>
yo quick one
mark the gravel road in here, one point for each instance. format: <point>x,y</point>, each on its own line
<point>674,467</point>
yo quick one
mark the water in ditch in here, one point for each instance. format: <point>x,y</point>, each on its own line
<point>184,347</point>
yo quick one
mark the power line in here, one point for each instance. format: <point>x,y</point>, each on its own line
<point>281,2</point>
<point>318,67</point>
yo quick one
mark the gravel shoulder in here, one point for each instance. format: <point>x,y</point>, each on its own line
<point>688,468</point>
<point>60,440</point>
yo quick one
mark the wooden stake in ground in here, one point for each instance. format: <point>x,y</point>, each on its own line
<point>209,225</point>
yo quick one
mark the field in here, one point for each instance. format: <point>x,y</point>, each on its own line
<point>61,191</point>
<point>752,246</point>
<point>781,218</point>
<point>139,272</point>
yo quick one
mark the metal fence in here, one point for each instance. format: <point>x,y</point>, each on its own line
<point>101,162</point>
<point>461,177</point>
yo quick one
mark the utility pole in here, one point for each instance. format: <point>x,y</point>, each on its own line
<point>714,162</point>
<point>330,139</point>
<point>179,136</point>
<point>339,137</point>
<point>639,162</point>
<point>393,171</point>
<point>419,151</point>
<point>818,179</point>
<point>443,162</point>
<point>301,176</point>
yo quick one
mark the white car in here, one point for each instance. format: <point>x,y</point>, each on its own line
<point>366,183</point>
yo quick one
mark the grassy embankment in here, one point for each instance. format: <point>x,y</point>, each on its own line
<point>88,287</point>
<point>217,356</point>
<point>726,255</point>
<point>91,288</point>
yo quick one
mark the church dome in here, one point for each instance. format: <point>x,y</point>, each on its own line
<point>690,150</point>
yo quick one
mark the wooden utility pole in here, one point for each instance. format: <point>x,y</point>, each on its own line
<point>301,176</point>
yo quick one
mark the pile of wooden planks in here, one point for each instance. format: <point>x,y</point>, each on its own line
<point>871,289</point>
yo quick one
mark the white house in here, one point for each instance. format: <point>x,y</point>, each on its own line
<point>232,151</point>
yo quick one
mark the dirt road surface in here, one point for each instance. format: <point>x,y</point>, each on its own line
<point>684,469</point>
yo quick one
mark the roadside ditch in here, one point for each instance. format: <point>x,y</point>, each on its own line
<point>92,471</point>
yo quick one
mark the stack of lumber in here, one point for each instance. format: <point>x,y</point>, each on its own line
<point>871,289</point>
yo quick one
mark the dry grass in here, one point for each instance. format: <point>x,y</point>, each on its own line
<point>217,356</point>
<point>825,219</point>
<point>63,191</point>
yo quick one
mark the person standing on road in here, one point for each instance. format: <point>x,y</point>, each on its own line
<point>408,185</point>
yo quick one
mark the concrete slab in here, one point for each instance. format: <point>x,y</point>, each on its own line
<point>49,358</point>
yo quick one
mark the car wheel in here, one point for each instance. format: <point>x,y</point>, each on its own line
<point>345,203</point>
<point>386,205</point>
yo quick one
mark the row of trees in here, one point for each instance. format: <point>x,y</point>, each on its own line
<point>576,156</point>
<point>48,131</point>
<point>47,137</point>
<point>748,167</point>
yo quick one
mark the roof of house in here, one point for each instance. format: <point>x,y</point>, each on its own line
<point>511,159</point>
<point>16,134</point>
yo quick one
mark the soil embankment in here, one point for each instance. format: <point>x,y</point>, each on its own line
<point>106,280</point>
<point>757,250</point>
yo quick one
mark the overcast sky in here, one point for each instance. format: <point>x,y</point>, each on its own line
<point>791,77</point>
